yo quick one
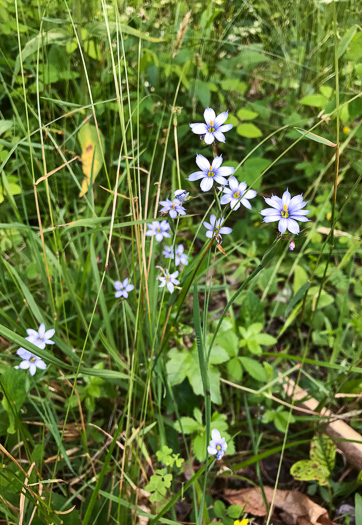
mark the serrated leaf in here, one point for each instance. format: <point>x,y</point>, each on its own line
<point>317,100</point>
<point>249,131</point>
<point>91,154</point>
<point>308,470</point>
<point>316,138</point>
<point>188,424</point>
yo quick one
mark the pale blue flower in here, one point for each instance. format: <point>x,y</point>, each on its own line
<point>215,228</point>
<point>217,446</point>
<point>167,252</point>
<point>287,211</point>
<point>181,257</point>
<point>123,288</point>
<point>169,280</point>
<point>292,246</point>
<point>41,337</point>
<point>214,128</point>
<point>234,193</point>
<point>181,195</point>
<point>172,207</point>
<point>159,229</point>
<point>210,172</point>
<point>30,361</point>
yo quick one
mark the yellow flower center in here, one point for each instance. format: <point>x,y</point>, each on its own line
<point>285,212</point>
<point>158,229</point>
<point>236,195</point>
<point>168,279</point>
<point>173,206</point>
<point>210,173</point>
<point>211,129</point>
<point>218,447</point>
<point>211,122</point>
<point>346,129</point>
<point>32,359</point>
<point>217,227</point>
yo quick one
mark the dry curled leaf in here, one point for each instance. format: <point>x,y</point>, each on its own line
<point>299,509</point>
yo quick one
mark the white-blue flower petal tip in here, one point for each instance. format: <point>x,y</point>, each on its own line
<point>214,127</point>
<point>160,229</point>
<point>287,211</point>
<point>210,172</point>
<point>123,288</point>
<point>236,194</point>
<point>218,445</point>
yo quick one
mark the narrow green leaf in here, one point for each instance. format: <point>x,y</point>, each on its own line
<point>316,138</point>
<point>296,298</point>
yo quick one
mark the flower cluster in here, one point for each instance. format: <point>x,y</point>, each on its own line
<point>39,338</point>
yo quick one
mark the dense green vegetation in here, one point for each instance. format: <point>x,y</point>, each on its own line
<point>257,339</point>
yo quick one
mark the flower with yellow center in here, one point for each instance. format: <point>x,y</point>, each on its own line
<point>210,172</point>
<point>213,128</point>
<point>242,522</point>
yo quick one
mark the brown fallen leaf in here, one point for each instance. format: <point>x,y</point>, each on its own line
<point>300,509</point>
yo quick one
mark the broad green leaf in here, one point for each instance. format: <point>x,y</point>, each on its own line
<point>265,339</point>
<point>218,355</point>
<point>202,92</point>
<point>254,368</point>
<point>281,420</point>
<point>219,508</point>
<point>327,91</point>
<point>58,36</point>
<point>346,40</point>
<point>178,365</point>
<point>234,368</point>
<point>308,470</point>
<point>14,391</point>
<point>234,511</point>
<point>316,138</point>
<point>5,125</point>
<point>355,48</point>
<point>188,425</point>
<point>248,130</point>
<point>300,277</point>
<point>91,154</point>
<point>246,114</point>
<point>317,100</point>
<point>323,451</point>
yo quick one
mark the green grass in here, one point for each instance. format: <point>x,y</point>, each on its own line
<point>127,378</point>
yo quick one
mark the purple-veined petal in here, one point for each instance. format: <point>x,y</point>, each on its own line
<point>209,234</point>
<point>212,220</point>
<point>196,175</point>
<point>170,287</point>
<point>49,333</point>
<point>173,214</point>
<point>130,287</point>
<point>271,218</point>
<point>159,237</point>
<point>233,183</point>
<point>207,183</point>
<point>25,354</point>
<point>216,163</point>
<point>174,275</point>
<point>24,365</point>
<point>221,118</point>
<point>225,230</point>
<point>270,211</point>
<point>209,138</point>
<point>199,128</point>
<point>250,194</point>
<point>40,364</point>
<point>275,202</point>
<point>125,282</point>
<point>225,199</point>
<point>207,225</point>
<point>225,171</point>
<point>209,116</point>
<point>118,294</point>
<point>234,204</point>
<point>296,201</point>
<point>218,178</point>
<point>117,285</point>
<point>246,203</point>
<point>41,329</point>
<point>215,435</point>
<point>163,282</point>
<point>226,127</point>
<point>31,332</point>
<point>286,198</point>
<point>283,225</point>
<point>219,136</point>
<point>202,162</point>
<point>32,369</point>
<point>293,226</point>
<point>299,212</point>
<point>211,450</point>
<point>125,294</point>
<point>299,218</point>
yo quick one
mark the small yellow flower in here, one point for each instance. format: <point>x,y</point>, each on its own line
<point>242,522</point>
<point>346,129</point>
<point>329,216</point>
<point>255,224</point>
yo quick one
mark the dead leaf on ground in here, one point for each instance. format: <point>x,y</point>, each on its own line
<point>300,509</point>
